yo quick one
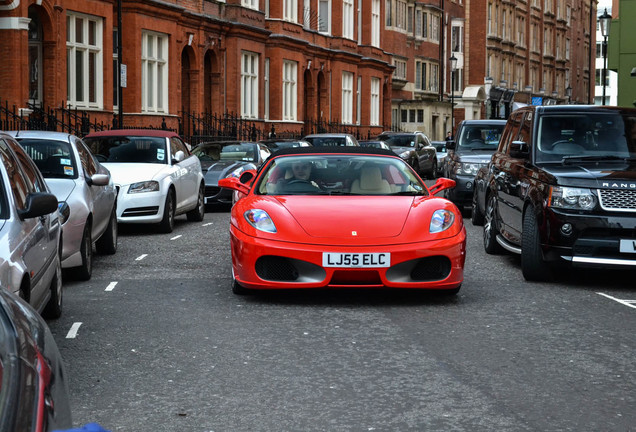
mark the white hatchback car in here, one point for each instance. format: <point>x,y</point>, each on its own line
<point>155,174</point>
<point>85,192</point>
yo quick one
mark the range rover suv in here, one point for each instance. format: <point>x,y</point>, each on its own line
<point>561,188</point>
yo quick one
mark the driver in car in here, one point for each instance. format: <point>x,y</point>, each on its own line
<point>300,175</point>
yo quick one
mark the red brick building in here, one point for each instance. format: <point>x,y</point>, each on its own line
<point>367,65</point>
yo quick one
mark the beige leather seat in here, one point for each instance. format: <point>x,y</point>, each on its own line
<point>370,182</point>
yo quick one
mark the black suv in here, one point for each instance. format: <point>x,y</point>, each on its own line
<point>476,141</point>
<point>561,188</point>
<point>415,148</point>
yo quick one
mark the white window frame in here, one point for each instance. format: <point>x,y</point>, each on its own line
<point>400,69</point>
<point>249,85</point>
<point>290,90</point>
<point>375,23</point>
<point>290,10</point>
<point>251,4</point>
<point>324,23</point>
<point>81,47</point>
<point>266,85</point>
<point>374,113</point>
<point>347,97</point>
<point>154,72</point>
<point>347,19</point>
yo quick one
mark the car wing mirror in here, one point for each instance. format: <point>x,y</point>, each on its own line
<point>234,184</point>
<point>178,157</point>
<point>38,204</point>
<point>99,179</point>
<point>441,184</point>
<point>519,149</point>
<point>247,176</point>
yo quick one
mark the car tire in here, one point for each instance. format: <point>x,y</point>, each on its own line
<point>53,308</point>
<point>533,266</point>
<point>107,243</point>
<point>239,289</point>
<point>491,228</point>
<point>167,223</point>
<point>476,216</point>
<point>197,214</point>
<point>84,271</point>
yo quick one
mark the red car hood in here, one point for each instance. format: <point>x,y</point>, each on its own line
<point>349,216</point>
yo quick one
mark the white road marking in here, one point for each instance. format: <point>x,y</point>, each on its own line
<point>207,224</point>
<point>175,237</point>
<point>140,257</point>
<point>628,303</point>
<point>110,286</point>
<point>73,331</point>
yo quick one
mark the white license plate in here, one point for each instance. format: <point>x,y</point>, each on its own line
<point>356,260</point>
<point>628,246</point>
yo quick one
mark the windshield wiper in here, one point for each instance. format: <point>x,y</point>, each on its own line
<point>482,148</point>
<point>595,158</point>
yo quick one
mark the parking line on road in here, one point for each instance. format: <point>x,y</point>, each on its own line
<point>175,237</point>
<point>140,257</point>
<point>110,286</point>
<point>73,331</point>
<point>628,303</point>
<point>207,224</point>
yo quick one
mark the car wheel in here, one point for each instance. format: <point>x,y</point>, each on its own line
<point>53,308</point>
<point>84,271</point>
<point>107,243</point>
<point>476,216</point>
<point>197,214</point>
<point>167,223</point>
<point>533,267</point>
<point>239,289</point>
<point>491,227</point>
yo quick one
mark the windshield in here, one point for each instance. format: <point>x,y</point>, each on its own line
<point>327,141</point>
<point>128,149</point>
<point>339,175</point>
<point>480,137</point>
<point>55,159</point>
<point>232,152</point>
<point>407,140</point>
<point>590,136</point>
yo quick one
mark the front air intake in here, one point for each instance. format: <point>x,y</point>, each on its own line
<point>275,268</point>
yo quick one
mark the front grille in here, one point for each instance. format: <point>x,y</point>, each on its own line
<point>212,191</point>
<point>617,199</point>
<point>431,269</point>
<point>276,269</point>
<point>140,211</point>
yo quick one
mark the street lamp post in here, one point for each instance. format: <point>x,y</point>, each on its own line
<point>453,65</point>
<point>604,21</point>
<point>568,93</point>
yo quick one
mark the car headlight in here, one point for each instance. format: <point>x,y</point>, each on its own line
<point>441,221</point>
<point>64,210</point>
<point>468,168</point>
<point>572,198</point>
<point>260,220</point>
<point>236,173</point>
<point>144,186</point>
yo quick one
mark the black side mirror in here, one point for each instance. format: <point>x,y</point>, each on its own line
<point>38,204</point>
<point>519,149</point>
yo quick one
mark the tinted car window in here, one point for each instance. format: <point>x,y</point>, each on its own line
<point>53,158</point>
<point>20,186</point>
<point>128,149</point>
<point>86,159</point>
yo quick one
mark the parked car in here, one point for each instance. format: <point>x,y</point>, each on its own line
<point>85,192</point>
<point>560,189</point>
<point>275,144</point>
<point>299,225</point>
<point>156,176</point>
<point>30,232</point>
<point>375,144</point>
<point>227,159</point>
<point>331,140</point>
<point>476,141</point>
<point>415,148</point>
<point>34,393</point>
<point>440,154</point>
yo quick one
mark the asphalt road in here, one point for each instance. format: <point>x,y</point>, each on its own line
<point>164,345</point>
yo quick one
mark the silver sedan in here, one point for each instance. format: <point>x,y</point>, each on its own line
<point>85,192</point>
